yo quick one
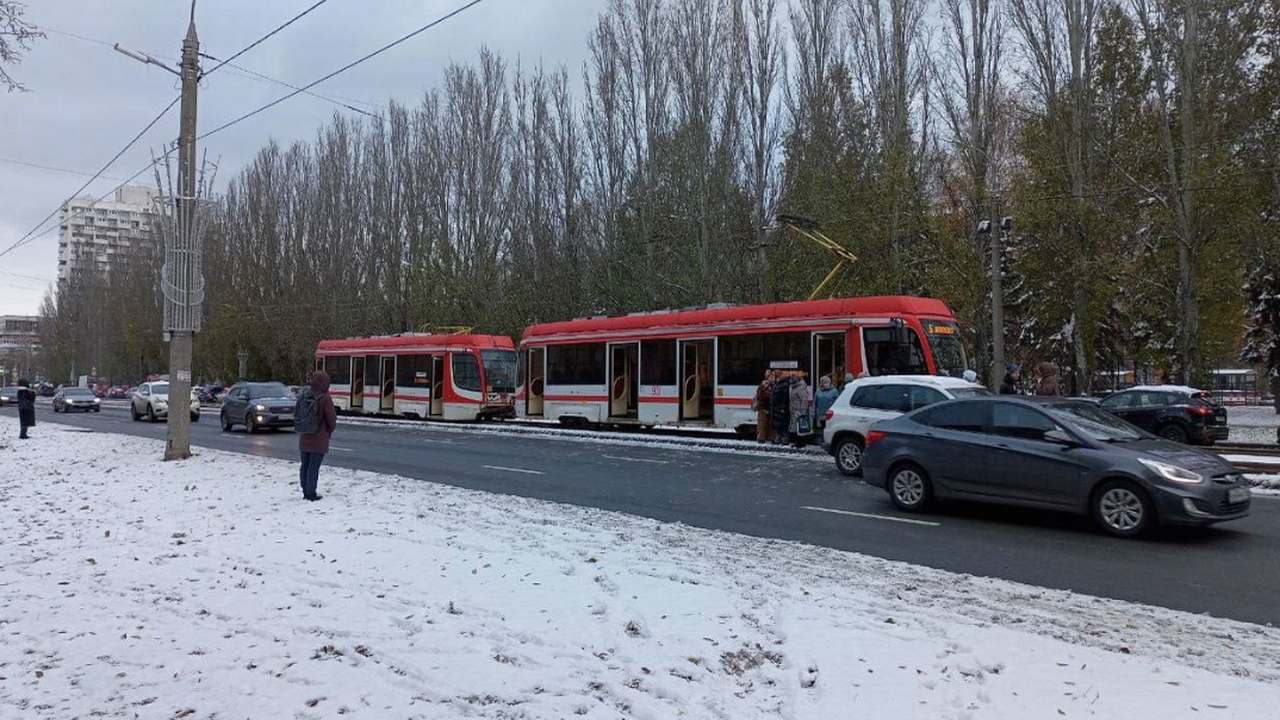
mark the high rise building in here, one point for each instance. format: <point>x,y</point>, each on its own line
<point>104,234</point>
<point>19,346</point>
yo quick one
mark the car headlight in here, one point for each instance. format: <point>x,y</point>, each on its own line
<point>97,400</point>
<point>1172,472</point>
<point>260,408</point>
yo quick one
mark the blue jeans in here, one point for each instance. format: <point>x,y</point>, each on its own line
<point>309,473</point>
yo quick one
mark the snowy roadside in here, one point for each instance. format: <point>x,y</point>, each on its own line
<point>134,586</point>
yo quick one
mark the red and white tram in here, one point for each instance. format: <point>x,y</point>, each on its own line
<point>701,367</point>
<point>447,377</point>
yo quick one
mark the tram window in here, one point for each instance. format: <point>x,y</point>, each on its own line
<point>371,369</point>
<point>466,372</point>
<point>500,370</point>
<point>413,371</point>
<point>339,369</point>
<point>787,347</point>
<point>742,360</point>
<point>887,356</point>
<point>521,364</point>
<point>575,364</point>
<point>658,362</point>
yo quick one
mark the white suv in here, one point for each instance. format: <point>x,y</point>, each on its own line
<point>152,402</point>
<point>869,400</point>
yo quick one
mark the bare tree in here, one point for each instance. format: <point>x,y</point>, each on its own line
<point>16,36</point>
<point>761,57</point>
<point>1058,41</point>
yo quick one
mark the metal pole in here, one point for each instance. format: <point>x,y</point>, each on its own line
<point>178,437</point>
<point>997,294</point>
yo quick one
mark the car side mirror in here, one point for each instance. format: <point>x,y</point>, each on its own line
<point>1058,437</point>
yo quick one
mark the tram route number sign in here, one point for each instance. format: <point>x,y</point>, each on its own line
<point>784,365</point>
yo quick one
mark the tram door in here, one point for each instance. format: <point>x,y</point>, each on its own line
<point>357,383</point>
<point>697,384</point>
<point>437,385</point>
<point>388,398</point>
<point>537,381</point>
<point>624,387</point>
<point>828,358</point>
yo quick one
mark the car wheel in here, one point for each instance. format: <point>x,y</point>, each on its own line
<point>848,452</point>
<point>133,412</point>
<point>97,409</point>
<point>1123,509</point>
<point>909,487</point>
<point>195,417</point>
<point>249,427</point>
<point>226,424</point>
<point>1173,432</point>
<point>151,414</point>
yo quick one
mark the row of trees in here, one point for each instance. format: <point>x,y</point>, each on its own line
<point>1134,142</point>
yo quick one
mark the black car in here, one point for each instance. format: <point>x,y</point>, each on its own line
<point>1176,413</point>
<point>76,399</point>
<point>1050,453</point>
<point>257,405</point>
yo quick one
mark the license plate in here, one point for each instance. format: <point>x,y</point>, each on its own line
<point>1237,495</point>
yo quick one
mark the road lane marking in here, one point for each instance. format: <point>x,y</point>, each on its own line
<point>870,515</point>
<point>514,470</point>
<point>633,459</point>
<point>335,447</point>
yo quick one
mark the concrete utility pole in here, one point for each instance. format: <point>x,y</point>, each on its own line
<point>180,324</point>
<point>996,230</point>
<point>181,281</point>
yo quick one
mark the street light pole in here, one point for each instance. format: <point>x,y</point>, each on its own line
<point>997,295</point>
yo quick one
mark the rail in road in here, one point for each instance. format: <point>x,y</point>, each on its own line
<point>1227,571</point>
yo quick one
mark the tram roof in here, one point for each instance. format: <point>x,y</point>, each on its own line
<point>801,311</point>
<point>412,341</point>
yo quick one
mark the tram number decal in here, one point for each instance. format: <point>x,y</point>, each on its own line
<point>655,391</point>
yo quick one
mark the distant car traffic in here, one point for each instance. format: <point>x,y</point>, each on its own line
<point>46,389</point>
<point>1050,453</point>
<point>117,393</point>
<point>870,400</point>
<point>152,402</point>
<point>8,394</point>
<point>1173,412</point>
<point>211,394</point>
<point>257,405</point>
<point>76,399</point>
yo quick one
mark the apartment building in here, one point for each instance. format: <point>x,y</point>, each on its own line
<point>104,234</point>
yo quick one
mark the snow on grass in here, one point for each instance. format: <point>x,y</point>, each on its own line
<point>1252,424</point>
<point>208,588</point>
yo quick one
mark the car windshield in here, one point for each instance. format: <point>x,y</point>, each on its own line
<point>160,389</point>
<point>78,392</point>
<point>268,390</point>
<point>1095,422</point>
<point>959,393</point>
<point>499,370</point>
<point>9,390</point>
<point>944,343</point>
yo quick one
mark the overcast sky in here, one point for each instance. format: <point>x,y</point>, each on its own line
<point>87,101</point>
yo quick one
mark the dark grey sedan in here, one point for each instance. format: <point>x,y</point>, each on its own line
<point>257,405</point>
<point>1055,454</point>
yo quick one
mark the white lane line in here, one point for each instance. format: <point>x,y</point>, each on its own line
<point>343,449</point>
<point>633,459</point>
<point>514,470</point>
<point>870,515</point>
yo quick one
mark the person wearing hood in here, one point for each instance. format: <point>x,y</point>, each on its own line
<point>780,408</point>
<point>1011,385</point>
<point>1049,383</point>
<point>26,408</point>
<point>823,400</point>
<point>315,419</point>
<point>798,402</point>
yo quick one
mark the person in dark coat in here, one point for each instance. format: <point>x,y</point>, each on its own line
<point>764,408</point>
<point>26,408</point>
<point>1012,383</point>
<point>1049,383</point>
<point>780,408</point>
<point>314,446</point>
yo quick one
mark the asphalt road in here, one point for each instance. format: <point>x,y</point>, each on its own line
<point>1231,570</point>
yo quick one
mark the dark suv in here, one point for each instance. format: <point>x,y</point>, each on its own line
<point>257,405</point>
<point>1180,414</point>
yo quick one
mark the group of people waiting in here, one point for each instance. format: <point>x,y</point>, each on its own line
<point>788,411</point>
<point>1047,383</point>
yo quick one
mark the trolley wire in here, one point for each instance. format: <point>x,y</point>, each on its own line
<point>263,39</point>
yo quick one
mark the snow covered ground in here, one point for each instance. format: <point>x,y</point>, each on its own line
<point>132,588</point>
<point>1252,424</point>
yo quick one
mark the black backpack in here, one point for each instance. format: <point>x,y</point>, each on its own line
<point>306,413</point>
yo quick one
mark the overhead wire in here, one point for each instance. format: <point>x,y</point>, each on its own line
<point>263,39</point>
